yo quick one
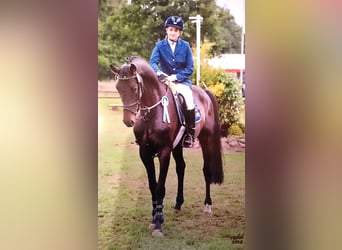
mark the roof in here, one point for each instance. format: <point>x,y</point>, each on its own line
<point>229,62</point>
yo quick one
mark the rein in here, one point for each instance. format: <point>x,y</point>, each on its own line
<point>164,101</point>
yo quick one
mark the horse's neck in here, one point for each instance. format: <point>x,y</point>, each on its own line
<point>152,94</point>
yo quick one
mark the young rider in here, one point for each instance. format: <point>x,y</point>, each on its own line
<point>173,57</point>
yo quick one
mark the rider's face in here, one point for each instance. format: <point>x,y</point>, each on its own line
<point>173,33</point>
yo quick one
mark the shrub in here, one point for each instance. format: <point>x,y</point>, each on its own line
<point>242,127</point>
<point>227,90</point>
<point>234,130</point>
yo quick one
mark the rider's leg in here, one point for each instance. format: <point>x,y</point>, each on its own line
<point>189,115</point>
<point>189,138</point>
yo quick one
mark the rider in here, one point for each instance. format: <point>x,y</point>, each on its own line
<point>173,57</point>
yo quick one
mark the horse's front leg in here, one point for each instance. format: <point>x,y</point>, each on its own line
<point>164,161</point>
<point>147,158</point>
<point>180,169</point>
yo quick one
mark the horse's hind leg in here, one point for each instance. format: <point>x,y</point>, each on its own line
<point>207,200</point>
<point>205,144</point>
<point>180,169</point>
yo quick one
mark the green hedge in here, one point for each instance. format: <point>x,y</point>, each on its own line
<point>228,91</point>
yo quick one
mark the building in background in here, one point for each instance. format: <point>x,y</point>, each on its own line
<point>233,63</point>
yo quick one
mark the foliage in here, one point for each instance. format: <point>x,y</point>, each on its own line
<point>107,7</point>
<point>242,127</point>
<point>134,29</point>
<point>103,63</point>
<point>234,130</point>
<point>224,86</point>
<point>227,35</point>
<point>227,90</point>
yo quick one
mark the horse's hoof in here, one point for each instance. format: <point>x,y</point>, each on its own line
<point>207,209</point>
<point>151,226</point>
<point>157,233</point>
<point>176,210</point>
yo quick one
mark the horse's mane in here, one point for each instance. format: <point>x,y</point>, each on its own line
<point>131,58</point>
<point>142,64</point>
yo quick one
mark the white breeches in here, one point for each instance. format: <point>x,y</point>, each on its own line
<point>186,92</point>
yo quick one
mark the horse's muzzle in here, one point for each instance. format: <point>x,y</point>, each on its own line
<point>129,122</point>
<point>128,118</point>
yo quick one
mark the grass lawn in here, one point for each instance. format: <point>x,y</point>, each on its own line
<point>124,201</point>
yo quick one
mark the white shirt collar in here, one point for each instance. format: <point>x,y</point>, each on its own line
<point>172,44</point>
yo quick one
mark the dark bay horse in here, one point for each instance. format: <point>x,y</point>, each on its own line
<point>149,107</point>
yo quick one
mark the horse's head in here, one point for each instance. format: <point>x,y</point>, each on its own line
<point>129,87</point>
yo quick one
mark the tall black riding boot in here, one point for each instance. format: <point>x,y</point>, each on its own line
<point>189,138</point>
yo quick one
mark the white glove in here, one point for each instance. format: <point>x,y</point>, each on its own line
<point>172,78</point>
<point>162,74</point>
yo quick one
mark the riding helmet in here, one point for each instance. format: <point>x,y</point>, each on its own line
<point>174,21</point>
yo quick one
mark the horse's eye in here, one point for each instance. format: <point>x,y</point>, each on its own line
<point>134,88</point>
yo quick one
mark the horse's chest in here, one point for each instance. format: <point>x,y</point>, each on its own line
<point>150,134</point>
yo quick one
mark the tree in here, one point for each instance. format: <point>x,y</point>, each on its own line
<point>228,35</point>
<point>107,7</point>
<point>134,29</point>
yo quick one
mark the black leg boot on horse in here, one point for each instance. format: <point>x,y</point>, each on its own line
<point>189,138</point>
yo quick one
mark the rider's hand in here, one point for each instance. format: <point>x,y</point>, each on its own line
<point>162,74</point>
<point>172,78</point>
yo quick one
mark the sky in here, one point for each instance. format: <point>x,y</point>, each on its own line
<point>236,7</point>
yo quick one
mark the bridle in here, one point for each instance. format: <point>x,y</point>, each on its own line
<point>139,93</point>
<point>163,101</point>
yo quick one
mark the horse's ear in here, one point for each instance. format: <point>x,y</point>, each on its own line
<point>133,69</point>
<point>114,69</point>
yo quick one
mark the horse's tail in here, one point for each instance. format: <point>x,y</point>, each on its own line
<point>216,166</point>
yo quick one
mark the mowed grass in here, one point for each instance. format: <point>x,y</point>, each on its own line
<point>124,201</point>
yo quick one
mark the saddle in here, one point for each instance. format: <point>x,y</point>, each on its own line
<point>180,101</point>
<point>181,107</point>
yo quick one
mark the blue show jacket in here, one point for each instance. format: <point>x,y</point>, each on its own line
<point>180,62</point>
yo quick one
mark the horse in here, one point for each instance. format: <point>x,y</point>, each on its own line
<point>149,106</point>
